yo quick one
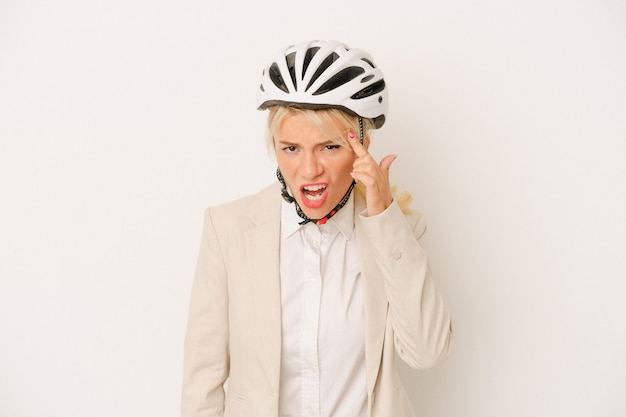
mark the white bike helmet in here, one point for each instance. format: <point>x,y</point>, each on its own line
<point>325,74</point>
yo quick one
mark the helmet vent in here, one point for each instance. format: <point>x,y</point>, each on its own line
<point>366,79</point>
<point>310,53</point>
<point>327,62</point>
<point>369,62</point>
<point>291,64</point>
<point>339,79</point>
<point>370,90</point>
<point>276,78</point>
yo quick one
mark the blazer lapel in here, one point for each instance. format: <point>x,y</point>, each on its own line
<point>263,249</point>
<point>375,301</point>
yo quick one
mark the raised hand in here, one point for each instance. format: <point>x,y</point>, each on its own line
<point>374,176</point>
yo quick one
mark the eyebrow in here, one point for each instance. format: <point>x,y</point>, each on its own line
<point>326,143</point>
<point>284,142</point>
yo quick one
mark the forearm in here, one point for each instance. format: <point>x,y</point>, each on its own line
<point>419,317</point>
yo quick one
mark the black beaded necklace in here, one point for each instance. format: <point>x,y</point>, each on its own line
<point>305,219</point>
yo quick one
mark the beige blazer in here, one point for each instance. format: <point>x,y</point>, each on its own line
<point>234,325</point>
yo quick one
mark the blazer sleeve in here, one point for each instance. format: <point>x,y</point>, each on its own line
<point>206,359</point>
<point>420,320</point>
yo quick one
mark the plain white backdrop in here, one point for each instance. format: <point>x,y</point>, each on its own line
<point>121,120</point>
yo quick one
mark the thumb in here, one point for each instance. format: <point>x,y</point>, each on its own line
<point>386,162</point>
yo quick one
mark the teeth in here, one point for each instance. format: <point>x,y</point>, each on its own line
<point>315,187</point>
<point>311,192</point>
<point>312,197</point>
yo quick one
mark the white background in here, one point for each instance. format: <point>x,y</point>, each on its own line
<point>121,120</point>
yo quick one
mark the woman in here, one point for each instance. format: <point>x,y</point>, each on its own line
<point>299,303</point>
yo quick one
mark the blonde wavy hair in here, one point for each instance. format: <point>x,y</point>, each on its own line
<point>324,120</point>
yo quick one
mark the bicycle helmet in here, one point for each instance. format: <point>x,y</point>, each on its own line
<point>325,74</point>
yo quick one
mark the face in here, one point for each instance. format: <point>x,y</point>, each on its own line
<point>316,169</point>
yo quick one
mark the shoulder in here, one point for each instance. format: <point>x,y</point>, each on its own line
<point>249,208</point>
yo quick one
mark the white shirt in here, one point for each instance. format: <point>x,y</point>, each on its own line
<point>323,329</point>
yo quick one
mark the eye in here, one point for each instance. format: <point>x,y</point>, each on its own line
<point>332,147</point>
<point>289,148</point>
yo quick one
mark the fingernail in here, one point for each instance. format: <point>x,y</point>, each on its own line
<point>351,135</point>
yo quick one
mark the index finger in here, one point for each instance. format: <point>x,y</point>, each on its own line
<point>356,145</point>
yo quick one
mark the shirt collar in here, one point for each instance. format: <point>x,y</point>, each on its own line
<point>343,220</point>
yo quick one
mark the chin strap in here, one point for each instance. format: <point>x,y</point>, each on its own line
<point>288,198</point>
<point>305,219</point>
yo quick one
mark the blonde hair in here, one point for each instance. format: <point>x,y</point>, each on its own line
<point>324,120</point>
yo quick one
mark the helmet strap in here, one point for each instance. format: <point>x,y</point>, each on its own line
<point>361,130</point>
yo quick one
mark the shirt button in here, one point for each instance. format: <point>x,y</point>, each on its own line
<point>396,254</point>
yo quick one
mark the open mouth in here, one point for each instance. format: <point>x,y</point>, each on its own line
<point>313,195</point>
<point>313,192</point>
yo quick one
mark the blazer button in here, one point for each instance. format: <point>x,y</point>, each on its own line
<point>396,254</point>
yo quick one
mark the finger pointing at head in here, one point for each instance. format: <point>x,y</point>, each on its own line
<point>357,147</point>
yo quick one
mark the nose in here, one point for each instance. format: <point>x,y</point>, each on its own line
<point>311,167</point>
